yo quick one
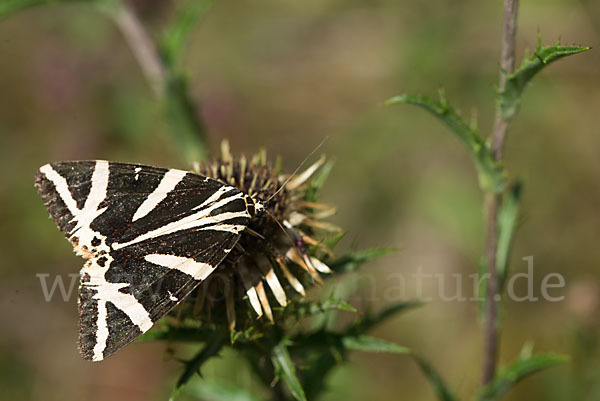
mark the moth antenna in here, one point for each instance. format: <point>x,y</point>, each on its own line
<point>297,168</point>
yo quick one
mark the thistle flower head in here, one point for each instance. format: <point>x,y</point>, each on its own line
<point>276,256</point>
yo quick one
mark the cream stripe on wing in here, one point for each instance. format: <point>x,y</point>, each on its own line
<point>99,187</point>
<point>167,184</point>
<point>61,187</point>
<point>214,197</point>
<point>198,219</point>
<point>101,332</point>
<point>198,270</point>
<point>90,211</point>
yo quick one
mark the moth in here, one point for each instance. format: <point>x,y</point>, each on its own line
<point>149,235</point>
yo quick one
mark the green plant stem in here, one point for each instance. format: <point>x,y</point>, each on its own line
<point>142,46</point>
<point>491,335</point>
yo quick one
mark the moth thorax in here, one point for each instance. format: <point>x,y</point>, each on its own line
<point>254,206</point>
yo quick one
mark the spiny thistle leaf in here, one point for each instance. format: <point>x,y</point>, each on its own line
<point>521,368</point>
<point>446,114</point>
<point>491,175</point>
<point>178,31</point>
<point>508,217</point>
<point>352,260</point>
<point>192,367</point>
<point>284,367</point>
<point>373,344</point>
<point>509,98</point>
<point>440,388</point>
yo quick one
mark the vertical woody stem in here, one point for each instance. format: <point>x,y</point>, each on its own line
<point>494,200</point>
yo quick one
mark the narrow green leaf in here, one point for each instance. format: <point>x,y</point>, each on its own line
<point>373,344</point>
<point>508,217</point>
<point>491,175</point>
<point>441,389</point>
<point>317,183</point>
<point>352,260</point>
<point>331,242</point>
<point>278,166</point>
<point>524,366</point>
<point>340,305</point>
<point>177,32</point>
<point>509,99</point>
<point>371,320</point>
<point>285,368</point>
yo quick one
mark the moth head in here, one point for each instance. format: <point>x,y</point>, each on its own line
<point>258,207</point>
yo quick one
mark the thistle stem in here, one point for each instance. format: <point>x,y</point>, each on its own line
<point>507,64</point>
<point>493,200</point>
<point>142,47</point>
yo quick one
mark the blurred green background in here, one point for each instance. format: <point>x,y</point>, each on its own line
<point>283,75</point>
